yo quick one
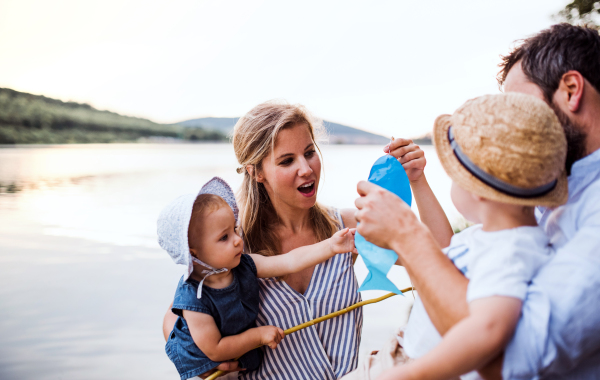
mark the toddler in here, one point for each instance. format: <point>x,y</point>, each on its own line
<point>217,297</point>
<point>505,155</point>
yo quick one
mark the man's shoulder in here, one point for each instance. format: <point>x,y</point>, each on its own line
<point>586,206</point>
<point>591,191</point>
<point>584,181</point>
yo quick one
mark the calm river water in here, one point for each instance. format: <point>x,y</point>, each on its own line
<point>83,283</point>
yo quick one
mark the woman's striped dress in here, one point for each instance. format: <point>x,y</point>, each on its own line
<point>327,350</point>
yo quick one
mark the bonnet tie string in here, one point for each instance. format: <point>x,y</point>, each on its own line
<point>206,272</point>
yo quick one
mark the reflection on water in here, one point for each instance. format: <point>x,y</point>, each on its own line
<point>83,284</point>
<point>15,187</point>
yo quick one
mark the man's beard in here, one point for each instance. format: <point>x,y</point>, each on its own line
<point>575,138</point>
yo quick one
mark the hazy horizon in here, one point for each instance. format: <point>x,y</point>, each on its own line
<point>388,67</point>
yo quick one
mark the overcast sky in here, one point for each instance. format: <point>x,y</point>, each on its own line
<point>388,67</point>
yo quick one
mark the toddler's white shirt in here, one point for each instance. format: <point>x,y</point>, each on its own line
<point>499,263</point>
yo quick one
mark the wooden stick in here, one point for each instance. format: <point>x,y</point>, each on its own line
<point>324,318</point>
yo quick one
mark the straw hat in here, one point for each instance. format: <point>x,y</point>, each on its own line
<point>508,148</point>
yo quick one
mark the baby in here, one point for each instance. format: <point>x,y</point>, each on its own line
<point>217,297</point>
<point>505,155</point>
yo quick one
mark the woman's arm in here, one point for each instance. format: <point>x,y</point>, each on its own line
<point>208,338</point>
<point>430,211</point>
<point>469,345</point>
<point>169,322</point>
<point>348,217</point>
<point>349,220</point>
<point>304,257</point>
<point>412,158</point>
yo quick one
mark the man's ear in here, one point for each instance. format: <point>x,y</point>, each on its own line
<point>570,90</point>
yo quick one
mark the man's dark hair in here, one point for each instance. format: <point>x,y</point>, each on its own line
<point>548,55</point>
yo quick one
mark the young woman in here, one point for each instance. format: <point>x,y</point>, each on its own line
<point>276,148</point>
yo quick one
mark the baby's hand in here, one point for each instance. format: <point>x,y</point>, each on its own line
<point>270,336</point>
<point>343,241</point>
<point>410,156</point>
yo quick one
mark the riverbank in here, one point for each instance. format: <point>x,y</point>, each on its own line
<point>36,119</point>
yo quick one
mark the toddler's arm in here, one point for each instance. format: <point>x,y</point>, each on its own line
<point>208,338</point>
<point>469,345</point>
<point>431,213</point>
<point>305,257</point>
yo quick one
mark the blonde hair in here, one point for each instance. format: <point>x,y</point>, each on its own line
<point>254,138</point>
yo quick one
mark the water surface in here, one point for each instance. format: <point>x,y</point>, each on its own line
<point>83,283</point>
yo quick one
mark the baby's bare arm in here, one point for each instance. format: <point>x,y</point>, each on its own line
<point>469,345</point>
<point>305,257</point>
<point>208,338</point>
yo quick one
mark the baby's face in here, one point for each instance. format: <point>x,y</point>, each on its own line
<point>220,245</point>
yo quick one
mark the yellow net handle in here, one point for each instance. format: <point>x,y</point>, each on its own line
<point>324,318</point>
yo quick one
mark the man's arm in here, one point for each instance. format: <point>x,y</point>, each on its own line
<point>304,257</point>
<point>469,345</point>
<point>388,222</point>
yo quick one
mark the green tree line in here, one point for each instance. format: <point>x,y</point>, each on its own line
<point>580,12</point>
<point>35,119</point>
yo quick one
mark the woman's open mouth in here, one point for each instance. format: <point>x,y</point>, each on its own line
<point>308,189</point>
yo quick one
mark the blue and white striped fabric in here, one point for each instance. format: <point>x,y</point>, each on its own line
<point>325,351</point>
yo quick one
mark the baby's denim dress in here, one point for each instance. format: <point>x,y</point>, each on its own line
<point>234,309</point>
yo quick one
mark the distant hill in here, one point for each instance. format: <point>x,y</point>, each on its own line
<point>338,133</point>
<point>36,119</point>
<point>222,124</point>
<point>423,140</point>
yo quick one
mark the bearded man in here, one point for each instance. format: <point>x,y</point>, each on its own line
<point>558,334</point>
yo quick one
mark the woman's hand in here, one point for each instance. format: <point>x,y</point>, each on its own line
<point>270,336</point>
<point>409,155</point>
<point>226,367</point>
<point>343,241</point>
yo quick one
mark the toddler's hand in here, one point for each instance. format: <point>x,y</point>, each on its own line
<point>410,156</point>
<point>270,336</point>
<point>343,241</point>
